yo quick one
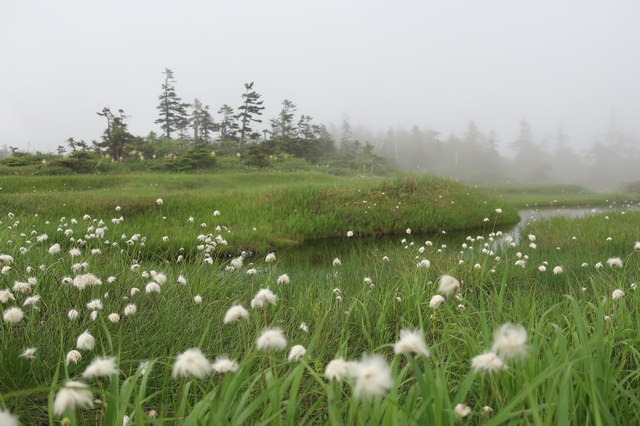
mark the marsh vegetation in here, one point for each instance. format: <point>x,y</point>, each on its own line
<point>138,288</point>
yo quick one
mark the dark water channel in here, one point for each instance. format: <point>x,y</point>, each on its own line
<point>321,253</point>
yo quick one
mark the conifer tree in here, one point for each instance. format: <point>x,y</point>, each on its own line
<point>173,113</point>
<point>228,127</point>
<point>201,122</point>
<point>287,129</point>
<point>251,107</point>
<point>116,135</point>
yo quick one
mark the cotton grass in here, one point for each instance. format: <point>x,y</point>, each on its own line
<point>85,341</point>
<point>488,362</point>
<point>224,365</point>
<point>271,340</point>
<point>296,353</point>
<point>100,367</point>
<point>337,369</point>
<point>510,341</point>
<point>436,301</point>
<point>448,285</point>
<point>617,294</point>
<point>236,313</point>
<point>372,377</point>
<point>412,342</point>
<point>191,362</point>
<point>13,315</point>
<point>73,395</point>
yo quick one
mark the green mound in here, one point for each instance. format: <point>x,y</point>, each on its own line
<point>258,211</point>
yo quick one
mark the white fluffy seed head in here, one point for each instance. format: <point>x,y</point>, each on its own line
<point>337,370</point>
<point>263,297</point>
<point>73,356</point>
<point>448,285</point>
<point>224,365</point>
<point>191,363</point>
<point>488,362</point>
<point>13,315</point>
<point>461,411</point>
<point>236,313</point>
<point>73,395</point>
<point>436,301</point>
<point>130,309</point>
<point>372,377</point>
<point>296,353</point>
<point>284,279</point>
<point>101,367</point>
<point>271,339</point>
<point>85,341</point>
<point>411,341</point>
<point>617,294</point>
<point>510,341</point>
<point>152,287</point>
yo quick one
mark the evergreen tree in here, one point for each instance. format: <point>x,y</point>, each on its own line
<point>251,107</point>
<point>531,163</point>
<point>525,139</point>
<point>201,122</point>
<point>256,156</point>
<point>306,129</point>
<point>173,113</point>
<point>346,137</point>
<point>72,143</point>
<point>115,136</point>
<point>285,119</point>
<point>82,145</point>
<point>228,127</point>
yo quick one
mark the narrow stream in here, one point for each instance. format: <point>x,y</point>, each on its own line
<point>322,252</point>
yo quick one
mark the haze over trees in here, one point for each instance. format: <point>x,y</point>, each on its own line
<point>192,138</point>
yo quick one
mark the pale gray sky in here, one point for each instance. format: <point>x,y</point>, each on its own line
<point>436,64</point>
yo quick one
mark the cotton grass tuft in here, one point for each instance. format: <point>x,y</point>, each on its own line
<point>191,363</point>
<point>411,341</point>
<point>236,313</point>
<point>74,394</point>
<point>271,340</point>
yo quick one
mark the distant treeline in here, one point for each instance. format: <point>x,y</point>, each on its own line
<point>609,163</point>
<point>193,139</point>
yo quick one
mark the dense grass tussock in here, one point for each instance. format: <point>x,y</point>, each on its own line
<point>542,330</point>
<point>260,211</point>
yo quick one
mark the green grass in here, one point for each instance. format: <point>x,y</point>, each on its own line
<point>262,211</point>
<point>580,368</point>
<point>555,195</point>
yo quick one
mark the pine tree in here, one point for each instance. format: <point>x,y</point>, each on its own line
<point>116,135</point>
<point>285,119</point>
<point>346,138</point>
<point>228,127</point>
<point>251,107</point>
<point>173,113</point>
<point>201,122</point>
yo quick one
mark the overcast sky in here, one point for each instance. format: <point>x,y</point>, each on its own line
<point>435,64</point>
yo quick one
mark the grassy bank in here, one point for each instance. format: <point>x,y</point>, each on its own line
<point>260,211</point>
<point>556,196</point>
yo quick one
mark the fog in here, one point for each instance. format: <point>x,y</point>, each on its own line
<point>387,65</point>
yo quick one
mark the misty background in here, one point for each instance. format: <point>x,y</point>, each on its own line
<point>480,91</point>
